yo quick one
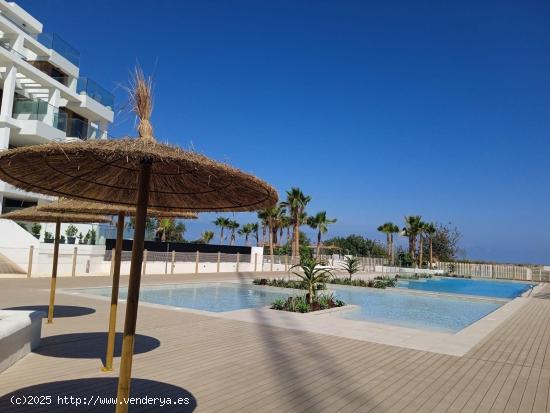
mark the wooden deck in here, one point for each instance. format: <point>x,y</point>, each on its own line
<point>231,366</point>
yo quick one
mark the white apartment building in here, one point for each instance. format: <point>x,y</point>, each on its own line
<point>43,98</point>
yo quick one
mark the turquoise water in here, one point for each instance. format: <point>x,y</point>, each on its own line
<point>391,307</point>
<point>414,310</point>
<point>484,288</point>
<point>216,297</point>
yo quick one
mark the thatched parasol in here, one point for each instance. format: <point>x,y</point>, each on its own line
<point>138,172</point>
<point>32,214</point>
<point>78,206</point>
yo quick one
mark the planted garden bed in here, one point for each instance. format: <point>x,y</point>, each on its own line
<point>300,303</point>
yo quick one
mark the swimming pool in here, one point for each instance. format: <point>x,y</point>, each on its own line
<point>483,288</point>
<point>385,306</point>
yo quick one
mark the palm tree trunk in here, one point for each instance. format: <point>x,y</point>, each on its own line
<point>221,236</point>
<point>388,243</point>
<point>296,240</point>
<point>421,251</point>
<point>391,249</point>
<point>431,253</point>
<point>412,247</point>
<point>270,240</point>
<point>318,244</point>
<point>275,231</point>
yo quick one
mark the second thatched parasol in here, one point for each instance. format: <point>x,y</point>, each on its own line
<point>77,206</point>
<point>138,172</point>
<point>32,214</point>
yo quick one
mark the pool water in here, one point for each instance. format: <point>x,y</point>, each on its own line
<point>216,297</point>
<point>484,288</point>
<point>385,306</point>
<point>414,310</point>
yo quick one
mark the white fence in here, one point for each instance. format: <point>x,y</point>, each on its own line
<point>500,271</point>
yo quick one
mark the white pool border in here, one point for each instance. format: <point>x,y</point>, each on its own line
<point>328,322</point>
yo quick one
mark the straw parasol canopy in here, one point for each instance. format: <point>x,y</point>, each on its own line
<point>108,171</point>
<point>86,207</point>
<point>33,214</point>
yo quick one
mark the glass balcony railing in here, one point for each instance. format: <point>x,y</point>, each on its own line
<point>95,91</point>
<point>35,109</point>
<point>55,42</point>
<point>77,128</point>
<point>6,45</point>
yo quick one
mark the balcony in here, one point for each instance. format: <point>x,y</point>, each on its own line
<point>56,43</point>
<point>37,119</point>
<point>95,91</point>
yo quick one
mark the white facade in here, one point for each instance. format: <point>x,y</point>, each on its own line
<point>43,98</point>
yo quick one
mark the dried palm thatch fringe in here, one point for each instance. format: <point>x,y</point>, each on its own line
<point>107,171</point>
<point>141,102</point>
<point>84,207</point>
<point>32,214</point>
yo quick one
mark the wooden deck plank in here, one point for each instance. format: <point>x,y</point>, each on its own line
<point>247,367</point>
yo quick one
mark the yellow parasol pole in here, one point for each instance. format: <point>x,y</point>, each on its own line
<point>114,294</point>
<point>54,269</point>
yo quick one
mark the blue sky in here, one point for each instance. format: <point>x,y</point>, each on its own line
<point>375,109</point>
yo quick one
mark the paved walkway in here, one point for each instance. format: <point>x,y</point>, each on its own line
<point>233,366</point>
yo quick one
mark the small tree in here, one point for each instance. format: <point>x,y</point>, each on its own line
<point>71,231</point>
<point>311,275</point>
<point>35,229</point>
<point>351,265</point>
<point>207,236</point>
<point>48,235</point>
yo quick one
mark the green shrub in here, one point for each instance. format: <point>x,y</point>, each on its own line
<point>282,283</point>
<point>71,231</point>
<point>35,229</point>
<point>278,304</point>
<point>378,282</point>
<point>300,303</point>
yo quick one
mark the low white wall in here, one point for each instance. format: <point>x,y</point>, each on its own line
<point>19,335</point>
<point>15,243</point>
<point>88,258</point>
<point>397,270</point>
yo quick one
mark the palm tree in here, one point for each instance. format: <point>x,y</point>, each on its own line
<point>430,230</point>
<point>286,223</point>
<point>262,216</point>
<point>389,228</point>
<point>232,225</point>
<point>320,222</point>
<point>311,275</point>
<point>276,215</point>
<point>351,265</point>
<point>255,228</point>
<point>296,203</point>
<point>207,236</point>
<point>170,230</point>
<point>272,215</point>
<point>413,223</point>
<point>245,231</point>
<point>221,222</point>
<point>421,233</point>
